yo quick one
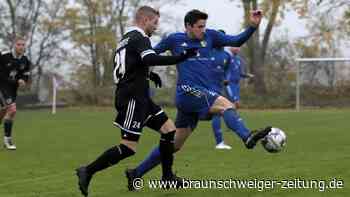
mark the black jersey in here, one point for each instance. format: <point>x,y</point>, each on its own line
<point>130,72</point>
<point>12,69</point>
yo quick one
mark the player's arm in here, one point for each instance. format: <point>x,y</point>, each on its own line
<point>242,70</point>
<point>221,39</point>
<point>151,58</point>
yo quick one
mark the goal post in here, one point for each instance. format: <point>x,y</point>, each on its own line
<point>301,61</point>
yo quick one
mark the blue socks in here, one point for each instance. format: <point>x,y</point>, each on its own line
<point>216,124</point>
<point>149,163</point>
<point>235,123</point>
<point>232,120</point>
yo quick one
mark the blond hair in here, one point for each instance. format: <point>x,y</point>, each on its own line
<point>145,11</point>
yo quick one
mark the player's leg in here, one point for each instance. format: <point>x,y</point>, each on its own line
<point>2,113</point>
<point>109,158</point>
<point>2,107</point>
<point>129,120</point>
<point>153,159</point>
<point>216,125</point>
<point>161,123</point>
<point>233,121</point>
<point>187,122</point>
<point>233,93</point>
<point>8,106</point>
<point>8,125</point>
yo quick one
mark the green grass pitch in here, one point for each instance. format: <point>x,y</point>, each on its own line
<point>50,147</point>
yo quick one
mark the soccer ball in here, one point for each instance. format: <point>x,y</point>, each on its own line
<point>274,141</point>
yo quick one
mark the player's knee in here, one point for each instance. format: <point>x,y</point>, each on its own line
<point>130,144</point>
<point>168,127</point>
<point>126,151</point>
<point>223,103</point>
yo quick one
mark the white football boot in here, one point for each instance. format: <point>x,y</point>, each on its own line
<point>8,144</point>
<point>222,145</point>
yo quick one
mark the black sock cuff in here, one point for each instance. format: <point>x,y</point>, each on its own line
<point>168,137</point>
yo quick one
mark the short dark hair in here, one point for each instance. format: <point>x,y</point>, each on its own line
<point>145,11</point>
<point>193,16</point>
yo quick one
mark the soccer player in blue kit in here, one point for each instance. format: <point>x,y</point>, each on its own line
<point>231,65</point>
<point>194,98</point>
<point>221,60</point>
<point>233,76</point>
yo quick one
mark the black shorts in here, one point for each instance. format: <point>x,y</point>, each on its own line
<point>134,114</point>
<point>7,97</point>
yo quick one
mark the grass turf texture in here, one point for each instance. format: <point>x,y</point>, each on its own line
<point>50,147</point>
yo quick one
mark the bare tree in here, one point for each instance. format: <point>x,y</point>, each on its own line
<point>37,20</point>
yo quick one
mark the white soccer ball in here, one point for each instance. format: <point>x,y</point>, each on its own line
<point>274,141</point>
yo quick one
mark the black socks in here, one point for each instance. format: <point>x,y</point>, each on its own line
<point>8,127</point>
<point>109,158</point>
<point>166,147</point>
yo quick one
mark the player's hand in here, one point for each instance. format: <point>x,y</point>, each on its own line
<point>250,75</point>
<point>226,82</point>
<point>21,83</point>
<point>255,17</point>
<point>156,79</point>
<point>190,52</point>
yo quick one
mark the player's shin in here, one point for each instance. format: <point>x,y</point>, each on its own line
<point>109,158</point>
<point>152,160</point>
<point>166,147</point>
<point>8,127</point>
<point>216,124</point>
<point>236,124</point>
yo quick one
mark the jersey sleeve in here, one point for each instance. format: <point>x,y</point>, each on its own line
<point>220,39</point>
<point>143,47</point>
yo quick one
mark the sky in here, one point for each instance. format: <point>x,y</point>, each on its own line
<point>228,15</point>
<point>225,14</point>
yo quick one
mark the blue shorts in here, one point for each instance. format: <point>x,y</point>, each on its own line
<point>232,91</point>
<point>193,103</point>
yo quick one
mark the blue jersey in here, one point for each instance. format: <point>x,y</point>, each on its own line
<point>194,94</point>
<point>196,71</point>
<point>220,62</point>
<point>234,71</point>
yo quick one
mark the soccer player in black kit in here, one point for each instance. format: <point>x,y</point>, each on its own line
<point>14,73</point>
<point>135,108</point>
